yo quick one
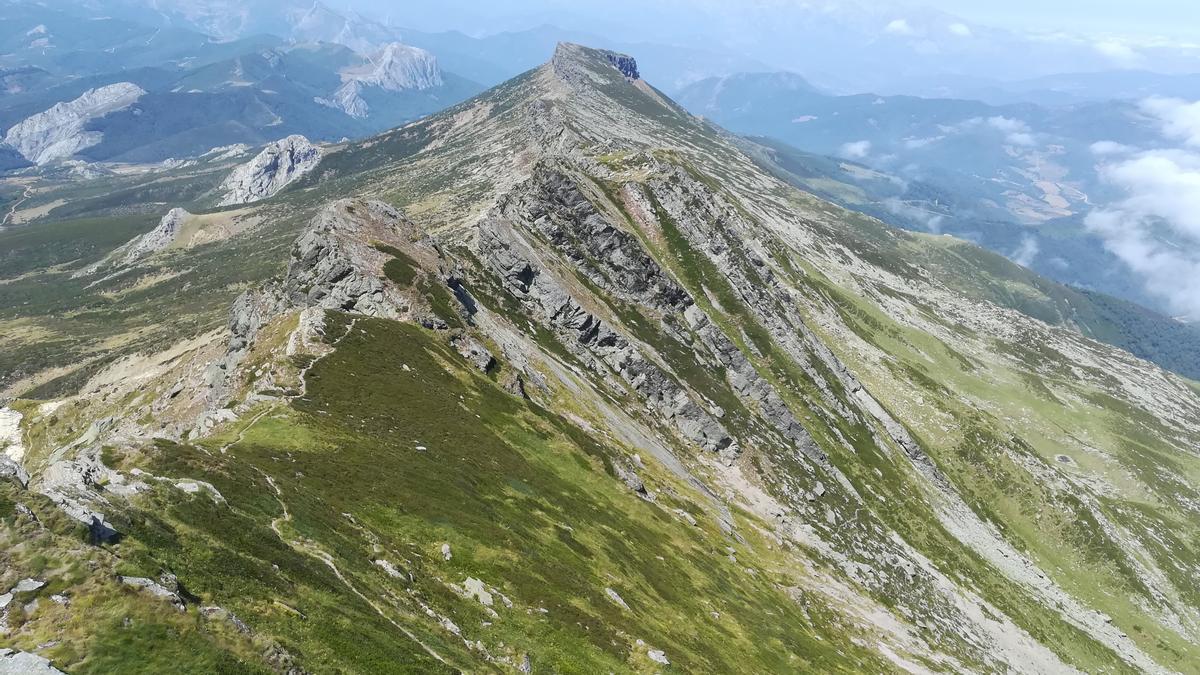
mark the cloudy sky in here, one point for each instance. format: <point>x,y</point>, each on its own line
<point>1177,18</point>
<point>1173,18</point>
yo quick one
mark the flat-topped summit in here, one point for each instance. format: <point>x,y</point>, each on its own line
<point>569,57</point>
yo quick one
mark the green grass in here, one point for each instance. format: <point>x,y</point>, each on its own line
<point>78,242</point>
<point>522,496</point>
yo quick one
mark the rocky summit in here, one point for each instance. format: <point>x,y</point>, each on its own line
<point>565,379</point>
<point>61,131</point>
<point>271,170</point>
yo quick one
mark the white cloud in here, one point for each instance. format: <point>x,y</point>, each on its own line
<point>1110,148</point>
<point>959,29</point>
<point>1119,53</point>
<point>932,221</point>
<point>1155,228</point>
<point>856,150</point>
<point>899,27</point>
<point>918,143</point>
<point>965,125</point>
<point>1026,252</point>
<point>1177,118</point>
<point>1016,132</point>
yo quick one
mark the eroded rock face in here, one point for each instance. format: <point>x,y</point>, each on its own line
<point>279,164</point>
<point>514,261</point>
<point>335,265</point>
<point>12,446</point>
<point>167,588</point>
<point>395,67</point>
<point>624,63</point>
<point>60,132</point>
<point>159,238</point>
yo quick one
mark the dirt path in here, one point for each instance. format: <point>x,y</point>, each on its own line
<point>306,547</point>
<point>314,551</point>
<point>288,399</point>
<point>12,211</point>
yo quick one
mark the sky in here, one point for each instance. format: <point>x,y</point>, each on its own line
<point>1171,18</point>
<point>1176,18</point>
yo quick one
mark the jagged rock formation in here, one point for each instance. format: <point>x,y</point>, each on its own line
<point>60,132</point>
<point>335,264</point>
<point>270,171</point>
<point>624,63</point>
<point>395,67</point>
<point>160,237</point>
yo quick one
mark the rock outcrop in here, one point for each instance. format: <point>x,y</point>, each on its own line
<point>514,261</point>
<point>167,588</point>
<point>12,446</point>
<point>23,663</point>
<point>396,67</point>
<point>271,170</point>
<point>61,131</point>
<point>624,63</point>
<point>160,237</point>
<point>335,265</point>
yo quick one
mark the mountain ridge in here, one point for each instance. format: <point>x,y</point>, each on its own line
<point>560,377</point>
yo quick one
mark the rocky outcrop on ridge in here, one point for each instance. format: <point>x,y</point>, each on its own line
<point>160,237</point>
<point>395,67</point>
<point>270,171</point>
<point>61,132</point>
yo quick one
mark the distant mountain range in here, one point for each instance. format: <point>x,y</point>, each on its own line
<point>1018,178</point>
<point>129,92</point>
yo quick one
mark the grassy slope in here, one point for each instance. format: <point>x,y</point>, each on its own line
<point>1142,332</point>
<point>522,497</point>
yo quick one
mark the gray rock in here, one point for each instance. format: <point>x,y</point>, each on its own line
<point>615,597</point>
<point>215,613</point>
<point>13,662</point>
<point>513,259</point>
<point>75,485</point>
<point>278,165</point>
<point>395,67</point>
<point>629,477</point>
<point>473,351</point>
<point>10,469</point>
<point>27,585</point>
<point>157,239</point>
<point>658,656</point>
<point>477,589</point>
<point>390,569</point>
<point>61,131</point>
<point>156,589</point>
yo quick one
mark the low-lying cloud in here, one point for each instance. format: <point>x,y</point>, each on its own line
<point>855,150</point>
<point>1118,53</point>
<point>1026,252</point>
<point>1015,131</point>
<point>931,220</point>
<point>1155,228</point>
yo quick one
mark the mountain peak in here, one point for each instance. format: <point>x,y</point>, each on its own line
<point>569,57</point>
<point>396,67</point>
